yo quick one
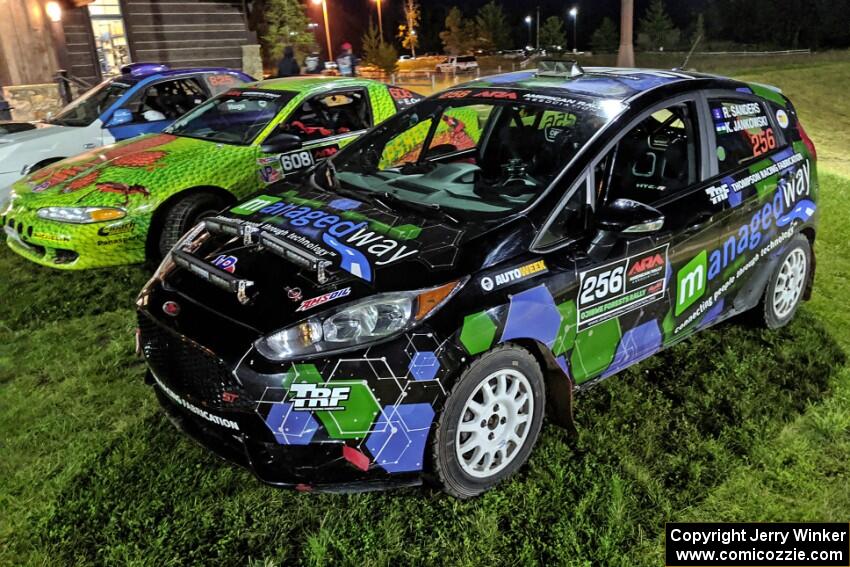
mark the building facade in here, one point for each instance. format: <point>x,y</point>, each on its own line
<point>93,39</point>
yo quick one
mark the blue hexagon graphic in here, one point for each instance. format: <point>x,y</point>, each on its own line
<point>424,365</point>
<point>400,434</point>
<point>291,427</point>
<point>532,314</point>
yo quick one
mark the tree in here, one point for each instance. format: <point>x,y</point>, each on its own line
<point>604,39</point>
<point>492,27</point>
<point>407,30</point>
<point>379,53</point>
<point>656,24</point>
<point>455,37</point>
<point>552,33</point>
<point>626,53</point>
<point>286,24</point>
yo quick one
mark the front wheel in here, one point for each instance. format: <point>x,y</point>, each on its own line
<point>490,423</point>
<point>786,285</point>
<point>185,213</point>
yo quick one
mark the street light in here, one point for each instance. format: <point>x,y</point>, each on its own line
<point>528,21</point>
<point>574,16</point>
<point>324,4</point>
<point>380,21</point>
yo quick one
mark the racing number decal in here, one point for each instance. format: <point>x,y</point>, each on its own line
<point>762,142</point>
<point>296,160</point>
<point>601,285</point>
<point>622,286</point>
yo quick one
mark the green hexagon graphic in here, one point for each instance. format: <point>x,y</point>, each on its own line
<point>595,349</point>
<point>359,411</point>
<point>478,332</point>
<point>355,420</point>
<point>569,324</point>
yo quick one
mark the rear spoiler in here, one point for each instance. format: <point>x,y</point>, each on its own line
<point>252,234</point>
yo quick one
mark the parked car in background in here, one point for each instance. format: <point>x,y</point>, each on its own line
<point>413,310</point>
<point>145,98</point>
<point>458,64</point>
<point>132,200</point>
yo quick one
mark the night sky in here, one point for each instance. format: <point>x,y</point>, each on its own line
<point>350,18</point>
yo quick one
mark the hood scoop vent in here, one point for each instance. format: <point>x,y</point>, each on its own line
<point>253,235</point>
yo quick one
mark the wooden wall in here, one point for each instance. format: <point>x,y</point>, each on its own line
<point>26,50</point>
<point>82,53</point>
<point>188,33</point>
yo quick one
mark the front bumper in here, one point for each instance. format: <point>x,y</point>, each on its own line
<point>379,439</point>
<point>74,246</point>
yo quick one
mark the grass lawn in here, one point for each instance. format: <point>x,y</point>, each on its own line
<point>734,424</point>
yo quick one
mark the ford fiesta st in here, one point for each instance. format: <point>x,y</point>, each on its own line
<point>131,201</point>
<point>414,306</point>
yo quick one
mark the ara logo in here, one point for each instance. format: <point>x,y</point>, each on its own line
<point>308,397</point>
<point>226,263</point>
<point>690,282</point>
<point>645,264</point>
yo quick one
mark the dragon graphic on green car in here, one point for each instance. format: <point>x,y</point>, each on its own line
<point>131,201</point>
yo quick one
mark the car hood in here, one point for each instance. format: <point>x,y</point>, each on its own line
<point>366,249</point>
<point>39,132</point>
<point>110,176</point>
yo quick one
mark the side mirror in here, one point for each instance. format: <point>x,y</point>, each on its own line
<point>119,117</point>
<point>280,143</point>
<point>627,217</point>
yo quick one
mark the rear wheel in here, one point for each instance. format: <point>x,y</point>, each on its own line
<point>786,286</point>
<point>490,423</point>
<point>185,213</point>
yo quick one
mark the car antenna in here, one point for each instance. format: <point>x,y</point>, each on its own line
<point>688,56</point>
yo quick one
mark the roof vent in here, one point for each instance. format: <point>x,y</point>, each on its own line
<point>559,68</point>
<point>143,69</point>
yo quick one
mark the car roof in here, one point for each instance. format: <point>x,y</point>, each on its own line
<point>141,76</point>
<point>304,83</point>
<point>598,82</point>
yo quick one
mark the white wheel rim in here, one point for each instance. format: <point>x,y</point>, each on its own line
<point>494,423</point>
<point>789,283</point>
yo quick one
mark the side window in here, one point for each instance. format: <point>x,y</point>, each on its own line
<point>655,159</point>
<point>742,130</point>
<point>568,222</point>
<point>167,100</point>
<point>329,115</point>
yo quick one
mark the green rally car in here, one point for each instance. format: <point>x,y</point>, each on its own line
<point>124,203</point>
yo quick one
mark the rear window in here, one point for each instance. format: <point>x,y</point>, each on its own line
<point>743,130</point>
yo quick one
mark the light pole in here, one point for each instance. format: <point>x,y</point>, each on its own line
<point>324,4</point>
<point>528,21</point>
<point>574,16</point>
<point>380,20</point>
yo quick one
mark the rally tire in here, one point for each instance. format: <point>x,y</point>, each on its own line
<point>183,214</point>
<point>787,284</point>
<point>508,432</point>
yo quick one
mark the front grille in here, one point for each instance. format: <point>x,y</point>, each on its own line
<point>189,370</point>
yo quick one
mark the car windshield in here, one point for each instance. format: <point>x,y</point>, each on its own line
<point>470,152</point>
<point>91,105</point>
<point>233,117</point>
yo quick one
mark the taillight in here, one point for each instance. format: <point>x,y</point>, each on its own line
<point>806,140</point>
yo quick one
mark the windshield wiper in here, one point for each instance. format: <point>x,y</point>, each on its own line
<point>432,209</point>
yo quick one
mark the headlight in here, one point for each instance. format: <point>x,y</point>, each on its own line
<point>358,324</point>
<point>81,215</point>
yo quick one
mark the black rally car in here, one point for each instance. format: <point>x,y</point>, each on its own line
<point>411,309</point>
